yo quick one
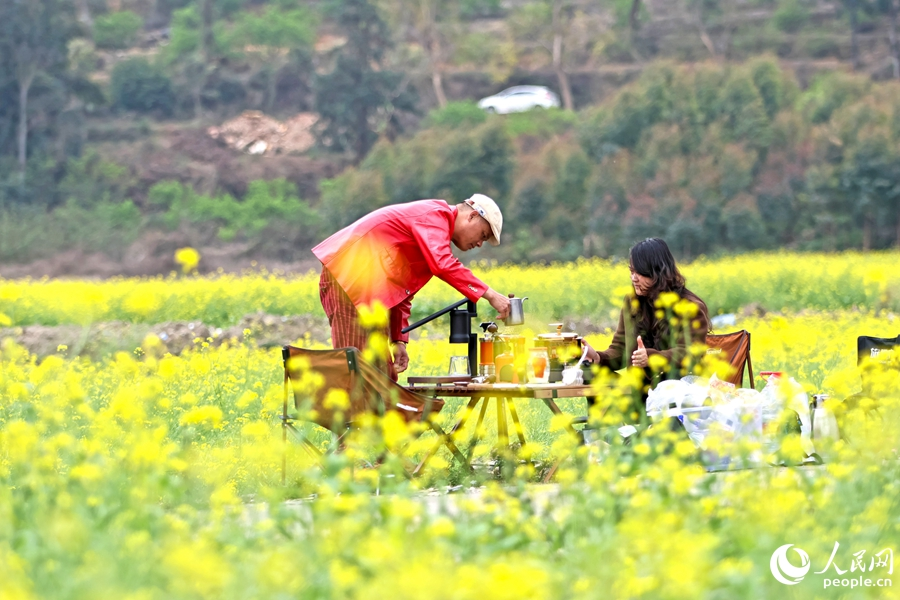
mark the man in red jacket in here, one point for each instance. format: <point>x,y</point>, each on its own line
<point>391,253</point>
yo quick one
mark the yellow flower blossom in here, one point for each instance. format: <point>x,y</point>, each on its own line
<point>188,258</point>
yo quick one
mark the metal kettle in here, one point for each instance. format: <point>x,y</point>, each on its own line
<point>516,311</point>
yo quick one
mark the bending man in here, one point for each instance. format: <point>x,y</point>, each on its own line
<point>391,253</point>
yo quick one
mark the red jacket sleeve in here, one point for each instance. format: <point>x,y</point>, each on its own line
<point>433,238</point>
<point>400,319</point>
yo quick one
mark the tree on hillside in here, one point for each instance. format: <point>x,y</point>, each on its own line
<point>430,22</point>
<point>358,98</point>
<point>629,16</point>
<point>548,23</point>
<point>195,48</point>
<point>33,37</point>
<point>702,11</point>
<point>274,34</point>
<point>868,9</point>
<point>889,7</point>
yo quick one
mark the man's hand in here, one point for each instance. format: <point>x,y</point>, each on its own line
<point>639,356</point>
<point>499,302</point>
<point>401,358</point>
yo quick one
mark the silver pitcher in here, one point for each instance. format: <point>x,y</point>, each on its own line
<point>516,311</point>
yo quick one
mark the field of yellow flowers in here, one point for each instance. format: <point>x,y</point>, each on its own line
<point>150,476</point>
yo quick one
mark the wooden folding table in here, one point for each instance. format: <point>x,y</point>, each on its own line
<point>506,395</point>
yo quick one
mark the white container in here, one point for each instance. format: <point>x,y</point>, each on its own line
<point>824,424</point>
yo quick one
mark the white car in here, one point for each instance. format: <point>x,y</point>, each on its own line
<point>518,99</point>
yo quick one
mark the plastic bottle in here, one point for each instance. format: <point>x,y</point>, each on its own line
<point>824,424</point>
<point>771,406</point>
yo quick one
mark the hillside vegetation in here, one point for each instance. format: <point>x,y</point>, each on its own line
<point>783,134</point>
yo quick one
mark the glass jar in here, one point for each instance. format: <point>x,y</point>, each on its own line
<point>538,367</point>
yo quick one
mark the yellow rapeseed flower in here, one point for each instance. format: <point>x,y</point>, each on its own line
<point>205,414</point>
<point>188,258</point>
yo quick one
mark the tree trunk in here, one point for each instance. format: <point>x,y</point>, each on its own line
<point>362,127</point>
<point>274,66</point>
<point>206,27</point>
<point>437,80</point>
<point>867,233</point>
<point>438,83</point>
<point>561,76</point>
<point>633,22</point>
<point>432,42</point>
<point>704,34</point>
<point>895,45</point>
<point>854,42</point>
<point>24,87</point>
<point>707,41</point>
<point>898,229</point>
<point>84,14</point>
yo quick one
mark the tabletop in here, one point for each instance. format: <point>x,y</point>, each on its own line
<point>507,390</point>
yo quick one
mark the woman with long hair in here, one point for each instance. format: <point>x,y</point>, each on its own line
<point>654,321</point>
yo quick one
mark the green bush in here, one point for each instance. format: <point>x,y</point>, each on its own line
<point>108,227</point>
<point>791,16</point>
<point>143,87</point>
<point>267,206</point>
<point>117,30</point>
<point>540,122</point>
<point>89,179</point>
<point>830,91</point>
<point>23,234</point>
<point>480,9</point>
<point>456,114</point>
<point>821,45</point>
<point>105,226</point>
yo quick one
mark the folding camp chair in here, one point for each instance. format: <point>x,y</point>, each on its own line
<point>875,350</point>
<point>369,390</point>
<point>733,348</point>
<point>875,353</point>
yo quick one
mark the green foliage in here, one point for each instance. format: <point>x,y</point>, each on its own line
<point>89,180</point>
<point>138,85</point>
<point>774,88</point>
<point>743,112</point>
<point>268,206</point>
<point>456,114</point>
<point>436,163</point>
<point>108,227</point>
<point>475,165</point>
<point>480,9</point>
<point>275,29</point>
<point>622,12</point>
<point>357,99</point>
<point>117,30</point>
<point>821,45</point>
<point>791,15</point>
<point>184,35</point>
<point>830,91</point>
<point>22,234</point>
<point>540,122</point>
<point>104,226</point>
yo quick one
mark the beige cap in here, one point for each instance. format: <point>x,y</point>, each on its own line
<point>488,209</point>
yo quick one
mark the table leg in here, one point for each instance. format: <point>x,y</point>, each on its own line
<point>502,432</point>
<point>477,435</point>
<point>518,425</point>
<point>441,441</point>
<point>556,411</point>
